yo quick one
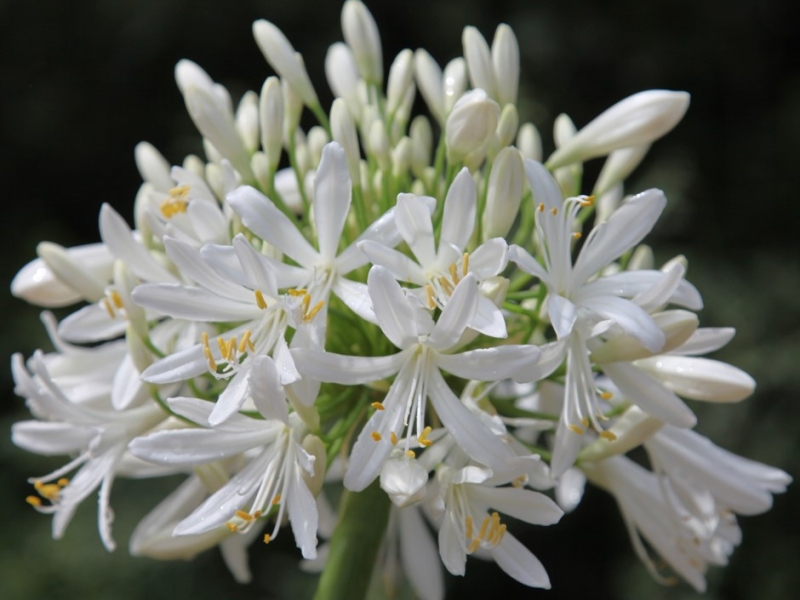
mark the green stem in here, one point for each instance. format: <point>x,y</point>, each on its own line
<point>354,545</point>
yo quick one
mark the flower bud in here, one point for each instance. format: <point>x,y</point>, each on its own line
<point>401,157</point>
<point>630,430</point>
<point>505,58</point>
<point>700,378</point>
<point>286,186</point>
<point>282,57</point>
<point>618,166</point>
<point>70,270</point>
<point>361,34</point>
<point>152,166</point>
<point>568,177</point>
<point>403,479</point>
<point>506,130</point>
<point>194,164</point>
<point>529,142</point>
<point>400,75</point>
<point>379,144</point>
<point>271,113</point>
<point>479,61</point>
<point>642,258</point>
<point>471,124</point>
<point>454,82</point>
<point>677,325</point>
<point>429,79</point>
<point>606,204</point>
<point>637,120</point>
<point>504,194</point>
<point>343,77</point>
<point>421,144</point>
<point>247,121</point>
<point>317,139</point>
<point>314,446</point>
<point>344,133</point>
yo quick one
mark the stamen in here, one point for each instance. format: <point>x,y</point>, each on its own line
<point>245,343</point>
<point>540,208</point>
<point>473,546</point>
<point>520,481</point>
<point>446,285</point>
<point>231,527</point>
<point>393,438</point>
<point>267,538</point>
<point>454,273</point>
<point>63,482</point>
<point>465,264</point>
<point>376,436</point>
<point>429,296</point>
<point>484,527</point>
<point>260,302</point>
<point>410,454</point>
<point>212,364</point>
<point>585,421</point>
<point>607,435</point>
<point>498,535</point>
<point>276,499</point>
<point>109,308</point>
<point>306,302</point>
<point>257,514</point>
<point>469,526</point>
<point>588,201</point>
<point>117,299</point>
<point>244,516</point>
<point>575,429</point>
<point>378,406</point>
<point>606,395</point>
<point>297,292</point>
<point>309,316</point>
<point>577,235</point>
<point>554,211</point>
<point>422,438</point>
<point>34,501</point>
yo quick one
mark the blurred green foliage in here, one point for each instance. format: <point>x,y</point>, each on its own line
<point>84,81</point>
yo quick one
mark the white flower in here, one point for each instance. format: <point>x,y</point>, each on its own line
<point>439,270</point>
<point>425,349</point>
<point>275,474</point>
<point>403,479</point>
<point>361,34</point>
<point>466,497</point>
<point>97,438</point>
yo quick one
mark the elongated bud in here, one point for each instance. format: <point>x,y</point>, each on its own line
<point>429,79</point>
<point>421,144</point>
<point>282,57</point>
<point>607,203</point>
<point>271,112</point>
<point>506,127</point>
<point>636,120</point>
<point>317,139</point>
<point>152,166</point>
<point>286,186</point>
<point>569,176</point>
<point>343,77</point>
<point>194,164</point>
<point>71,272</point>
<point>479,61</point>
<point>630,430</point>
<point>403,479</point>
<point>471,124</point>
<point>700,378</point>
<point>529,142</point>
<point>401,157</point>
<point>618,166</point>
<point>247,121</point>
<point>292,111</point>
<point>454,82</point>
<point>401,74</point>
<point>677,325</point>
<point>314,446</point>
<point>361,34</point>
<point>505,58</point>
<point>504,195</point>
<point>344,133</point>
<point>379,144</point>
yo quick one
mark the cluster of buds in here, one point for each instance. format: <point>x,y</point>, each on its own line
<point>425,310</point>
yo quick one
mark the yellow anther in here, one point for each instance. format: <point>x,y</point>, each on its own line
<point>607,435</point>
<point>117,299</point>
<point>276,499</point>
<point>230,348</point>
<point>454,273</point>
<point>554,211</point>
<point>422,438</point>
<point>588,201</point>
<point>494,526</point>
<point>245,343</point>
<point>50,491</point>
<point>305,303</point>
<point>465,264</point>
<point>233,528</point>
<point>575,429</point>
<point>310,314</point>
<point>244,516</point>
<point>260,302</point>
<point>585,421</point>
<point>63,482</point>
<point>378,406</point>
<point>267,538</point>
<point>577,235</point>
<point>468,523</point>
<point>297,292</point>
<point>446,285</point>
<point>473,546</point>
<point>109,308</point>
<point>393,438</point>
<point>540,208</point>
<point>498,535</point>
<point>34,501</point>
<point>410,454</point>
<point>429,296</point>
<point>484,527</point>
<point>606,395</point>
<point>212,364</point>
<point>520,481</point>
<point>181,190</point>
<point>376,436</point>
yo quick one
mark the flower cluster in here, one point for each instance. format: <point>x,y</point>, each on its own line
<point>424,304</point>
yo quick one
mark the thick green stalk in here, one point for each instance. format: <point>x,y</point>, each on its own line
<point>354,545</point>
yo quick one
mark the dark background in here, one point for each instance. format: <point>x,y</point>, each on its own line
<point>82,82</point>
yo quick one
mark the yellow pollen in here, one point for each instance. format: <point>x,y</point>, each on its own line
<point>554,211</point>
<point>297,292</point>
<point>109,308</point>
<point>267,538</point>
<point>117,299</point>
<point>410,454</point>
<point>244,516</point>
<point>34,501</point>
<point>173,206</point>
<point>63,482</point>
<point>50,491</point>
<point>422,438</point>
<point>257,514</point>
<point>588,201</point>
<point>606,395</point>
<point>446,285</point>
<point>306,302</point>
<point>519,481</point>
<point>245,342</point>
<point>484,527</point>
<point>575,429</point>
<point>498,535</point>
<point>181,190</point>
<point>607,435</point>
<point>454,273</point>
<point>540,208</point>
<point>276,499</point>
<point>465,264</point>
<point>260,302</point>
<point>473,546</point>
<point>429,296</point>
<point>393,437</point>
<point>378,406</point>
<point>221,344</point>
<point>469,526</point>
<point>212,364</point>
<point>376,436</point>
<point>585,421</point>
<point>309,315</point>
<point>577,235</point>
<point>231,527</point>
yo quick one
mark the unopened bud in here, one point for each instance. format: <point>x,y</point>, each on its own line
<point>400,75</point>
<point>361,34</point>
<point>379,144</point>
<point>529,142</point>
<point>152,166</point>
<point>429,79</point>
<point>503,197</point>
<point>344,133</point>
<point>618,166</point>
<point>271,113</point>
<point>401,157</point>
<point>403,479</point>
<point>454,82</point>
<point>282,57</point>
<point>479,61</point>
<point>317,139</point>
<point>343,77</point>
<point>421,144</point>
<point>472,122</point>
<point>505,58</point>
<point>630,430</point>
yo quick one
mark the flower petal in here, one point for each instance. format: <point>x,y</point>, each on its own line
<point>331,199</point>
<point>398,264</point>
<point>394,313</point>
<point>458,219</point>
<point>700,378</point>
<point>520,563</point>
<point>457,315</point>
<point>414,223</point>
<point>490,364</point>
